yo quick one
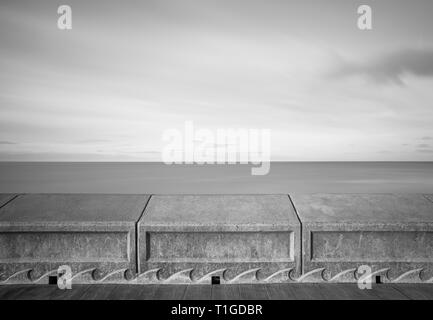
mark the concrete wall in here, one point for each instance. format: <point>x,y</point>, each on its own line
<point>240,238</point>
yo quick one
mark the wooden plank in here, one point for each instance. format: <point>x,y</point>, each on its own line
<point>310,291</point>
<point>169,292</point>
<point>6,290</point>
<point>225,292</point>
<point>387,292</point>
<point>198,292</point>
<point>37,292</point>
<point>416,291</point>
<point>123,292</point>
<point>97,292</point>
<point>290,291</point>
<point>127,292</point>
<point>303,291</point>
<point>345,291</point>
<point>253,292</point>
<point>278,291</point>
<point>10,292</point>
<point>106,292</point>
<point>147,292</point>
<point>75,293</point>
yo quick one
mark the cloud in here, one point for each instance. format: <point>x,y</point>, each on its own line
<point>391,67</point>
<point>97,155</point>
<point>427,138</point>
<point>7,142</point>
<point>423,145</point>
<point>425,150</point>
<point>91,141</point>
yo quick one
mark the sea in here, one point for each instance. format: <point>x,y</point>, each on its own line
<point>160,178</point>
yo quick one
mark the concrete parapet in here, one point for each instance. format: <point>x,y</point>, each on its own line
<point>391,234</point>
<point>94,233</point>
<point>5,198</point>
<point>240,238</point>
<point>232,236</point>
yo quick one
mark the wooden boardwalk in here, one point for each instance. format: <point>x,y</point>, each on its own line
<point>219,292</point>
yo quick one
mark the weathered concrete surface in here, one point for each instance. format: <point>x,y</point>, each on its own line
<point>213,233</point>
<point>5,197</point>
<point>242,238</point>
<point>42,232</point>
<point>393,234</point>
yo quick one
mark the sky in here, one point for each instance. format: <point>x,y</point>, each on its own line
<point>128,71</point>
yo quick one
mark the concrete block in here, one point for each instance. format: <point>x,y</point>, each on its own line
<point>241,238</point>
<point>38,233</point>
<point>392,234</point>
<point>5,198</point>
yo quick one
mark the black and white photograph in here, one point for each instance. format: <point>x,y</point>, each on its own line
<point>237,152</point>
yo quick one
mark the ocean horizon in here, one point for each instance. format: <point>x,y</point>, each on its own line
<point>159,178</point>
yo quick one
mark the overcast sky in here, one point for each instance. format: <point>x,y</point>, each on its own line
<point>128,70</point>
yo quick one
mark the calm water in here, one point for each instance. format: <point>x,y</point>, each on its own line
<point>284,177</point>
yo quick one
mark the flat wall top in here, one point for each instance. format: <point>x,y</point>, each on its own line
<point>367,208</point>
<point>74,207</point>
<point>5,197</point>
<point>220,209</point>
